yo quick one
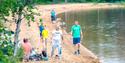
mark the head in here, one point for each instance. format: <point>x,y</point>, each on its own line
<point>44,26</point>
<point>76,22</point>
<point>57,28</point>
<point>52,9</point>
<point>25,40</point>
<point>41,23</point>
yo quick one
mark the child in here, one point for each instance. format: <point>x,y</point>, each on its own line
<point>56,42</point>
<point>45,34</point>
<point>53,15</point>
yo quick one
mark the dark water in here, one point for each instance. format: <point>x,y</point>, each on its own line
<point>104,32</point>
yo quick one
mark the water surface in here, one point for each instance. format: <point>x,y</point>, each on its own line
<point>104,32</point>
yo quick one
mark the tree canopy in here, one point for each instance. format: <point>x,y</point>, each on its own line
<point>17,10</point>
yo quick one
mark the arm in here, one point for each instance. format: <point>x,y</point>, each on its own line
<point>48,34</point>
<point>81,33</point>
<point>38,24</point>
<point>71,30</point>
<point>71,33</point>
<point>51,37</point>
<point>62,37</point>
<point>61,34</point>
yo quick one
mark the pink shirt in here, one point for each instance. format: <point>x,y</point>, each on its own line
<point>26,48</point>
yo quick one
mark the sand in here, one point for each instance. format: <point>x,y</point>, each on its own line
<point>32,32</point>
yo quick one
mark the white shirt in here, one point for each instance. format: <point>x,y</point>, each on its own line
<point>57,34</point>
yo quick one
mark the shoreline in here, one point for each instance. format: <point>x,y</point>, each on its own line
<point>32,32</point>
<point>59,8</point>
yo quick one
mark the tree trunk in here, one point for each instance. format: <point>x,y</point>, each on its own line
<point>16,40</point>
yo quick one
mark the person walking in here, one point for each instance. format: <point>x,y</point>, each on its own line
<point>76,33</point>
<point>53,16</point>
<point>57,38</point>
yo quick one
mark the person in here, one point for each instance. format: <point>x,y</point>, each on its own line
<point>45,35</point>
<point>56,42</point>
<point>76,33</point>
<point>33,54</point>
<point>41,28</point>
<point>53,16</point>
<point>26,48</point>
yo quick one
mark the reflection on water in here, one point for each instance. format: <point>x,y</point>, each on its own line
<point>104,32</point>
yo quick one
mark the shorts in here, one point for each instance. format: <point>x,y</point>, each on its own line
<point>53,18</point>
<point>76,40</point>
<point>56,42</point>
<point>45,37</point>
<point>40,35</point>
<point>56,45</point>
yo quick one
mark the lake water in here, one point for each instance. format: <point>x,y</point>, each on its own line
<point>104,32</point>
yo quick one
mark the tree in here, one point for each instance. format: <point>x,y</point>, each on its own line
<point>18,10</point>
<point>7,46</point>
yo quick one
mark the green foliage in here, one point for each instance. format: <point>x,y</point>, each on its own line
<point>40,20</point>
<point>19,56</point>
<point>16,7</point>
<point>7,47</point>
<point>43,1</point>
<point>18,10</point>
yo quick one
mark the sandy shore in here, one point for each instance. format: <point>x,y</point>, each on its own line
<point>32,32</point>
<point>71,7</point>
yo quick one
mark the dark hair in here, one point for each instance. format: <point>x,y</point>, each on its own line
<point>25,40</point>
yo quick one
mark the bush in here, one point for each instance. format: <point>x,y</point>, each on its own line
<point>7,47</point>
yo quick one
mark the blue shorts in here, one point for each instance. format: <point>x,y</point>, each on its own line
<point>53,18</point>
<point>76,40</point>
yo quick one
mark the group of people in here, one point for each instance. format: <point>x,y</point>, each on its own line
<point>56,39</point>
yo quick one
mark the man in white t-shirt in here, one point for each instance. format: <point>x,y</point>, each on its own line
<point>56,41</point>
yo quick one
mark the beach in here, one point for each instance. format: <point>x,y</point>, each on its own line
<point>32,32</point>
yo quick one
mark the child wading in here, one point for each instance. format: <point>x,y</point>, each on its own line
<point>56,42</point>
